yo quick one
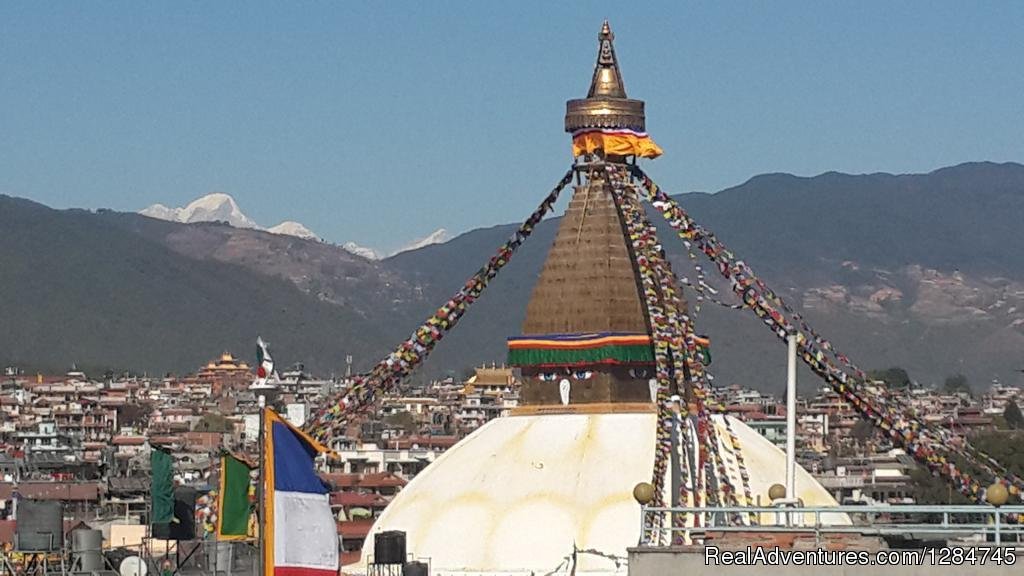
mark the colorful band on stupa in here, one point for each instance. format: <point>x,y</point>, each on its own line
<point>580,349</point>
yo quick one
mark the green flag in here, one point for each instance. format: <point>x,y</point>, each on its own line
<point>161,489</point>
<point>233,501</point>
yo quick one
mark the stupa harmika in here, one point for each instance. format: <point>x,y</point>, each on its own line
<point>549,489</point>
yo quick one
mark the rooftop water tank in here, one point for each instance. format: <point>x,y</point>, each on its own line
<point>40,525</point>
<point>86,550</point>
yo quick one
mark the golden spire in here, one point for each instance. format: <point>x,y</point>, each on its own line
<point>606,104</point>
<point>607,82</point>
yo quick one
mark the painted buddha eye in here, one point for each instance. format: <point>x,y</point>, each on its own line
<point>547,376</point>
<point>638,373</point>
<point>582,374</point>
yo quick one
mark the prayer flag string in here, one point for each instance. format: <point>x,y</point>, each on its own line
<point>331,419</point>
<point>932,447</point>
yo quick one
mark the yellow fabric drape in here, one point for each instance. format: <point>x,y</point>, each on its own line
<point>615,143</point>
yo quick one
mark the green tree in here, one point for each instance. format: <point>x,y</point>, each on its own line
<point>931,489</point>
<point>1014,419</point>
<point>134,415</point>
<point>894,377</point>
<point>213,422</point>
<point>862,431</point>
<point>1005,446</point>
<point>955,384</point>
<point>403,420</point>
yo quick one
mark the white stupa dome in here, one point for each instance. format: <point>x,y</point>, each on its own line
<point>521,493</point>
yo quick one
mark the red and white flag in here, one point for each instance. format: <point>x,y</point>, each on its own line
<point>264,362</point>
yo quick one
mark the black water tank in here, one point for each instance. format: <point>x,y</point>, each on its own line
<point>115,556</point>
<point>389,547</point>
<point>184,526</point>
<point>40,525</point>
<point>415,569</point>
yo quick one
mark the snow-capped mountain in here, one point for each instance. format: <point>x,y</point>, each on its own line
<point>292,228</point>
<point>439,236</point>
<point>216,207</point>
<point>368,253</point>
<point>221,207</point>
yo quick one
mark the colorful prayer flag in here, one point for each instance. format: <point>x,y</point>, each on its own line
<point>233,509</point>
<point>299,531</point>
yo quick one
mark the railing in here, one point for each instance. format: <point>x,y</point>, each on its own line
<point>987,522</point>
<point>830,482</point>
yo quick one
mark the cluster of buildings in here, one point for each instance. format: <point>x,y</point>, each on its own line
<point>87,442</point>
<point>844,453</point>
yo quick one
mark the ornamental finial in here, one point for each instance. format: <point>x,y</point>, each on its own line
<point>606,104</point>
<point>607,77</point>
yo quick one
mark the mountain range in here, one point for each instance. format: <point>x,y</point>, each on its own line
<point>221,207</point>
<point>922,271</point>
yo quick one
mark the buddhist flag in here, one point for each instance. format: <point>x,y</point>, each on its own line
<point>264,362</point>
<point>300,535</point>
<point>233,509</point>
<point>161,487</point>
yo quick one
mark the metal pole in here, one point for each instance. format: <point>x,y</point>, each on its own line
<point>674,471</point>
<point>643,525</point>
<point>791,416</point>
<point>261,493</point>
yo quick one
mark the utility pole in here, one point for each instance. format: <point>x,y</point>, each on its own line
<point>791,416</point>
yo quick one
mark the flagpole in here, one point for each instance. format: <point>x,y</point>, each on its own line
<point>262,493</point>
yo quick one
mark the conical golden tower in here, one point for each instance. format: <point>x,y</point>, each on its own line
<point>586,326</point>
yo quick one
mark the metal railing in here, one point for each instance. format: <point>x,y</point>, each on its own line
<point>989,523</point>
<point>829,482</point>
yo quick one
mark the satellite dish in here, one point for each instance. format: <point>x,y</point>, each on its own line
<point>133,566</point>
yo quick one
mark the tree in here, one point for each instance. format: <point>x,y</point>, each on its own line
<point>931,489</point>
<point>1006,447</point>
<point>895,377</point>
<point>1013,416</point>
<point>134,415</point>
<point>955,384</point>
<point>213,422</point>
<point>403,420</point>
<point>862,431</point>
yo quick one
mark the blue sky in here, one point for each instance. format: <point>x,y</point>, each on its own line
<point>382,122</point>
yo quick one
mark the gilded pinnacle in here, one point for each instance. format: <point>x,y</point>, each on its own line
<point>606,104</point>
